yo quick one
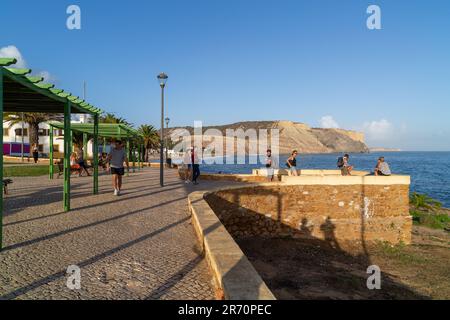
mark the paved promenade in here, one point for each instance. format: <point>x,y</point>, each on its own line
<point>140,245</point>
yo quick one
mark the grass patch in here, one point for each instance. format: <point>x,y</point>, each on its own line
<point>400,253</point>
<point>431,219</point>
<point>26,171</point>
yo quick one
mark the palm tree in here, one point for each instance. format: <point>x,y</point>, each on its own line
<point>150,138</point>
<point>33,120</point>
<point>111,118</point>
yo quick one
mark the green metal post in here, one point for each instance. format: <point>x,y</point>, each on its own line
<point>95,151</point>
<point>85,142</point>
<point>67,152</point>
<point>1,159</point>
<point>50,168</point>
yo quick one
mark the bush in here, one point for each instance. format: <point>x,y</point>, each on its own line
<point>424,202</point>
<point>431,220</point>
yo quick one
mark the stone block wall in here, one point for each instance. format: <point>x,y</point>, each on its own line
<point>334,213</point>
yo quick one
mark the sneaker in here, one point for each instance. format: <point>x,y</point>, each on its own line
<point>116,192</point>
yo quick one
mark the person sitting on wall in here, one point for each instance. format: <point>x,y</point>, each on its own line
<point>382,168</point>
<point>271,164</point>
<point>74,166</point>
<point>344,165</point>
<point>291,163</point>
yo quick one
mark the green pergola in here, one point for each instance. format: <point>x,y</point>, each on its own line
<point>20,92</point>
<point>105,130</point>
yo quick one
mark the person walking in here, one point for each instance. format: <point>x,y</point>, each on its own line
<point>35,153</point>
<point>195,166</point>
<point>187,166</point>
<point>117,157</point>
<point>81,162</point>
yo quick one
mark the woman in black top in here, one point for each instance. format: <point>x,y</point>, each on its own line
<point>291,163</point>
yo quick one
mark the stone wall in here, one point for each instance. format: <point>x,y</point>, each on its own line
<point>340,212</point>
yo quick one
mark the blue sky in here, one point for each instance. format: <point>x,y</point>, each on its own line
<point>307,61</point>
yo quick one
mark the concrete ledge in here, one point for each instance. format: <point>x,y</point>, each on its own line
<point>307,172</point>
<point>233,274</point>
<point>233,177</point>
<point>347,180</point>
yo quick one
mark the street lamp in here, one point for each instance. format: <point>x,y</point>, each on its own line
<point>167,144</point>
<point>162,78</point>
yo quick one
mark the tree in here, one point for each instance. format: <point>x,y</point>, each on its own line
<point>111,118</point>
<point>33,120</point>
<point>150,138</point>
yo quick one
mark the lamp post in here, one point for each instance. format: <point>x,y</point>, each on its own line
<point>167,144</point>
<point>162,78</point>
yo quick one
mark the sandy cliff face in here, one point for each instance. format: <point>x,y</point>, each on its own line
<point>303,138</point>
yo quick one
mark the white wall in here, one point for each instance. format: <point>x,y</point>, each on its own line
<point>44,140</point>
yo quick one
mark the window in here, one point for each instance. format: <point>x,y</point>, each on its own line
<point>44,132</point>
<point>19,132</point>
<point>6,132</point>
<point>41,148</point>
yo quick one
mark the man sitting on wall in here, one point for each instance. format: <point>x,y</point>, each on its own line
<point>382,168</point>
<point>344,165</point>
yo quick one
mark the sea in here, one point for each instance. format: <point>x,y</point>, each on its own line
<point>429,171</point>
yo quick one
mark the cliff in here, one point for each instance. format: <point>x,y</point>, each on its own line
<point>301,137</point>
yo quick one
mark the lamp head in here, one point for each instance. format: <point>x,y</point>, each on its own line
<point>162,78</point>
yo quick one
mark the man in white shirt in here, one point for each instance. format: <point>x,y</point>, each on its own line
<point>271,164</point>
<point>187,166</point>
<point>116,158</point>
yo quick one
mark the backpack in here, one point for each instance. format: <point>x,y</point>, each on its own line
<point>340,162</point>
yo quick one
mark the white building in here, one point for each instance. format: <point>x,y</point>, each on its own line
<point>12,139</point>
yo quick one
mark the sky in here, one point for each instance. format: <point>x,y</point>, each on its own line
<point>313,61</point>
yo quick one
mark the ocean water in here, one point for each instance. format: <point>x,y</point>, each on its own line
<point>429,171</point>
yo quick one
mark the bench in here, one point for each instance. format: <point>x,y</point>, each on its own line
<point>79,171</point>
<point>61,169</point>
<point>6,182</point>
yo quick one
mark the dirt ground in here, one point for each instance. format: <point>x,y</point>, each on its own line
<point>311,269</point>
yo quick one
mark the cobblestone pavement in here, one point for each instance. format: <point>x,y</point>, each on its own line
<point>140,245</point>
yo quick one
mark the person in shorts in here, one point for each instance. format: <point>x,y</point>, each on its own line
<point>291,163</point>
<point>271,164</point>
<point>116,158</point>
<point>187,166</point>
<point>80,160</point>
